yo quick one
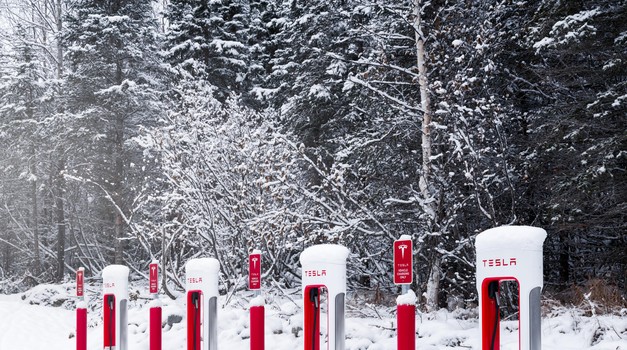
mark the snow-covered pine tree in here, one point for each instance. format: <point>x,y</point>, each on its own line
<point>568,79</point>
<point>23,105</point>
<point>113,88</point>
<point>207,39</point>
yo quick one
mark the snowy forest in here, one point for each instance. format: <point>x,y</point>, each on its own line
<point>133,130</point>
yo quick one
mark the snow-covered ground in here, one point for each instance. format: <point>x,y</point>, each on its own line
<point>29,321</point>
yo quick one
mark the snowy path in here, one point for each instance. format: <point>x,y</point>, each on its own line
<point>34,327</point>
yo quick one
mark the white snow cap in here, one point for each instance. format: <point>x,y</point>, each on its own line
<point>203,265</point>
<point>519,237</point>
<point>256,251</point>
<point>408,298</point>
<point>325,253</point>
<point>259,300</point>
<point>405,238</point>
<point>155,303</point>
<point>115,272</point>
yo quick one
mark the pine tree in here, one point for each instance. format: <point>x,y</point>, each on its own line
<point>114,86</point>
<point>23,107</point>
<point>208,41</point>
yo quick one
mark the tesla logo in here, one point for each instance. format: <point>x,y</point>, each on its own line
<point>153,269</point>
<point>79,283</point>
<point>499,262</point>
<point>255,262</point>
<point>402,247</point>
<point>315,273</point>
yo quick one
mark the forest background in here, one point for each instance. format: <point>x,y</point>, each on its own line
<point>133,130</point>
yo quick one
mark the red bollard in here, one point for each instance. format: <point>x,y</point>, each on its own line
<point>257,341</point>
<point>81,328</point>
<point>155,307</point>
<point>406,321</point>
<point>155,327</point>
<point>81,311</point>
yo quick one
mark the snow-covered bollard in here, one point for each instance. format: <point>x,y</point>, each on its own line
<point>257,314</point>
<point>155,325</point>
<point>257,311</point>
<point>406,321</point>
<point>510,253</point>
<point>202,303</point>
<point>115,299</point>
<point>324,272</point>
<point>81,311</point>
<point>155,307</point>
<point>406,302</point>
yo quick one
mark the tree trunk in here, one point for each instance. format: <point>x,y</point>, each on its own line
<point>433,286</point>
<point>59,179</point>
<point>33,169</point>
<point>118,177</point>
<point>59,20</point>
<point>59,192</point>
<point>425,185</point>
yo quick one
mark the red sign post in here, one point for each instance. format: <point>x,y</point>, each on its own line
<point>403,262</point>
<point>254,271</point>
<point>404,275</point>
<point>155,310</point>
<point>257,311</point>
<point>81,311</point>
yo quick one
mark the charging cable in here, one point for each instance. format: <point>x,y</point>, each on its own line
<point>493,293</point>
<point>195,302</point>
<point>313,297</point>
<point>110,302</point>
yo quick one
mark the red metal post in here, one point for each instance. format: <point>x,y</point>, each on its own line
<point>406,327</point>
<point>155,307</point>
<point>155,328</point>
<point>81,328</point>
<point>81,311</point>
<point>257,341</point>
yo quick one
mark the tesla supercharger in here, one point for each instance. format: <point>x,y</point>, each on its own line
<point>115,306</point>
<point>202,303</point>
<point>324,272</point>
<point>510,253</point>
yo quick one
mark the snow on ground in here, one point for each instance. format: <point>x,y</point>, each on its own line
<point>43,319</point>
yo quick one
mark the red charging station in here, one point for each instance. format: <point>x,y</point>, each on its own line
<point>257,310</point>
<point>406,303</point>
<point>324,273</point>
<point>81,311</point>
<point>115,307</point>
<point>510,253</point>
<point>155,307</point>
<point>202,303</point>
